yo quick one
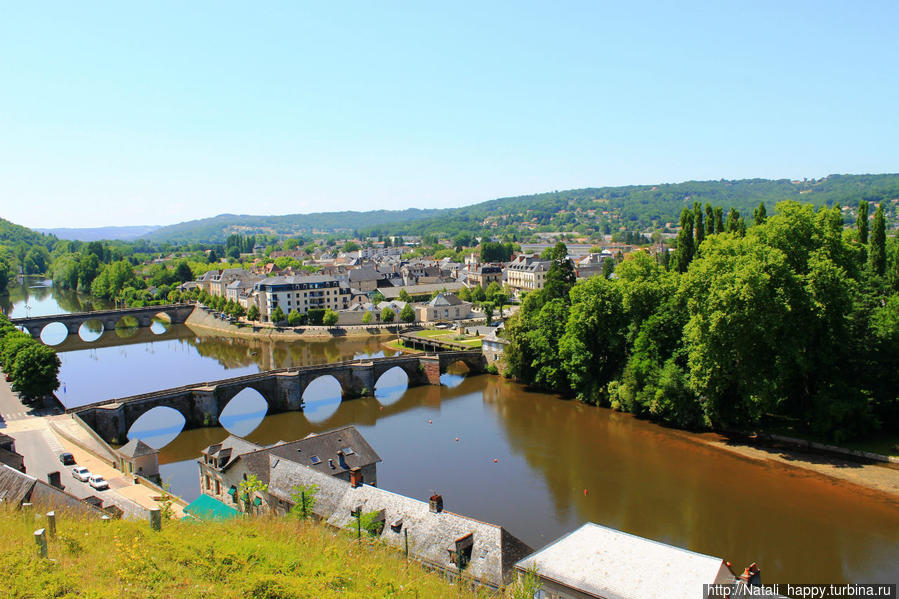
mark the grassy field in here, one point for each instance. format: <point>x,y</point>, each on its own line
<point>472,341</point>
<point>263,558</point>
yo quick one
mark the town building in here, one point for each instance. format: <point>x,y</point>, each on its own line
<point>17,488</point>
<point>526,273</point>
<point>596,561</point>
<point>224,466</point>
<point>301,294</point>
<point>483,274</point>
<point>444,306</point>
<point>136,457</point>
<point>591,264</point>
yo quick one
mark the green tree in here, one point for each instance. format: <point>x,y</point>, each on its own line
<point>499,300</point>
<point>877,257</point>
<point>212,258</point>
<point>377,297</point>
<point>367,317</point>
<point>4,276</point>
<point>862,222</point>
<point>247,490</point>
<point>183,272</point>
<point>560,277</point>
<point>35,370</point>
<point>278,314</point>
<point>487,307</point>
<point>594,345</point>
<point>407,314</point>
<point>387,315</point>
<point>760,214</point>
<point>293,318</point>
<point>608,267</point>
<point>303,498</point>
<point>478,294</point>
<point>684,253</point>
<point>719,219</point>
<point>709,220</point>
<point>253,313</point>
<point>700,228</point>
<point>330,318</point>
<point>464,294</point>
<point>404,296</point>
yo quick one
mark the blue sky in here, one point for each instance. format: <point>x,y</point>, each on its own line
<point>163,112</point>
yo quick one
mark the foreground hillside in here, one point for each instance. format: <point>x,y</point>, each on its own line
<point>264,558</point>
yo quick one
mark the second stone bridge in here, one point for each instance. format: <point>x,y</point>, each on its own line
<point>202,404</point>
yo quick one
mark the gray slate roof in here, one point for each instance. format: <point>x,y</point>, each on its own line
<point>17,487</point>
<point>12,459</point>
<point>445,299</point>
<point>431,535</point>
<point>136,448</point>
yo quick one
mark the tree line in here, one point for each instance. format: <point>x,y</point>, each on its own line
<point>793,319</point>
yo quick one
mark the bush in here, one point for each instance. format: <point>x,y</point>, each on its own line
<point>294,318</point>
<point>492,369</point>
<point>387,315</point>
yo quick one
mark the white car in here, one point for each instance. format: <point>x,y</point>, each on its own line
<point>81,473</point>
<point>98,482</point>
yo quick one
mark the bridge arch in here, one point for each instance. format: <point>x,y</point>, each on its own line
<point>454,373</point>
<point>126,326</point>
<point>157,427</point>
<point>322,397</point>
<point>160,323</point>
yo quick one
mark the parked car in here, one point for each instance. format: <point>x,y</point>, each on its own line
<point>66,458</point>
<point>81,473</point>
<point>98,482</point>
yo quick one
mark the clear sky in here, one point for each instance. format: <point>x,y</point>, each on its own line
<point>158,112</point>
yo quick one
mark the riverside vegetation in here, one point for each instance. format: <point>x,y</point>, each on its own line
<point>253,558</point>
<point>791,323</point>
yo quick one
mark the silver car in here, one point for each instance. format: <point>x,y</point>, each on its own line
<point>81,473</point>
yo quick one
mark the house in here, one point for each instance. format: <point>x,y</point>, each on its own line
<point>8,453</point>
<point>596,561</point>
<point>364,279</point>
<point>225,465</point>
<point>301,294</point>
<point>493,346</point>
<point>17,488</point>
<point>136,457</point>
<point>424,290</point>
<point>527,273</point>
<point>591,264</point>
<point>444,306</point>
<point>440,539</point>
<point>483,275</point>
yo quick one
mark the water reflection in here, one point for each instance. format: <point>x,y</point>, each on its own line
<point>157,427</point>
<point>391,386</point>
<point>244,412</point>
<point>54,333</point>
<point>42,299</point>
<point>90,330</point>
<point>322,398</point>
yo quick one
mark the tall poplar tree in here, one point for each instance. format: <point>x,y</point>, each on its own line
<point>877,256</point>
<point>709,220</point>
<point>760,215</point>
<point>697,220</point>
<point>862,222</point>
<point>684,252</point>
<point>719,219</point>
<point>733,221</point>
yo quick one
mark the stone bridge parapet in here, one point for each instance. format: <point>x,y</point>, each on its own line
<point>201,404</point>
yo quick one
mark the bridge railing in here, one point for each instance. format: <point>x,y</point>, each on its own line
<point>246,378</point>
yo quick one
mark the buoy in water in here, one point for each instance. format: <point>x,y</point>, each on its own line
<point>457,439</point>
<point>495,460</point>
<point>429,421</point>
<point>585,492</point>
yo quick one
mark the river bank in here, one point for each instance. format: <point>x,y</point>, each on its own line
<point>202,320</point>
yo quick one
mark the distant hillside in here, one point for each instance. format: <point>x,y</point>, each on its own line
<point>12,234</point>
<point>217,228</point>
<point>602,209</point>
<point>647,207</point>
<point>98,233</point>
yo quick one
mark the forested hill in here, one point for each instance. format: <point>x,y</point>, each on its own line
<point>218,228</point>
<point>648,207</point>
<point>602,209</point>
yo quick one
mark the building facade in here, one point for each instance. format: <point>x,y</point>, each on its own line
<point>301,294</point>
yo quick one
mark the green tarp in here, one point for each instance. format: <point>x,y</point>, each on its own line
<point>205,507</point>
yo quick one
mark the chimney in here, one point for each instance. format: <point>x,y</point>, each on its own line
<point>356,477</point>
<point>53,479</point>
<point>751,575</point>
<point>436,503</point>
<point>341,459</point>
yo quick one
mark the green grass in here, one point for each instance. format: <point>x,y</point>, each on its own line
<point>264,558</point>
<point>451,336</point>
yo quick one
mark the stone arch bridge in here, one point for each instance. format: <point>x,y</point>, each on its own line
<point>202,404</point>
<point>177,313</point>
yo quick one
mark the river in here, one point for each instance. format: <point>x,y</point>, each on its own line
<point>558,463</point>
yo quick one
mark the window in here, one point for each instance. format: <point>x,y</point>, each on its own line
<point>348,450</point>
<point>218,487</point>
<point>315,460</point>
